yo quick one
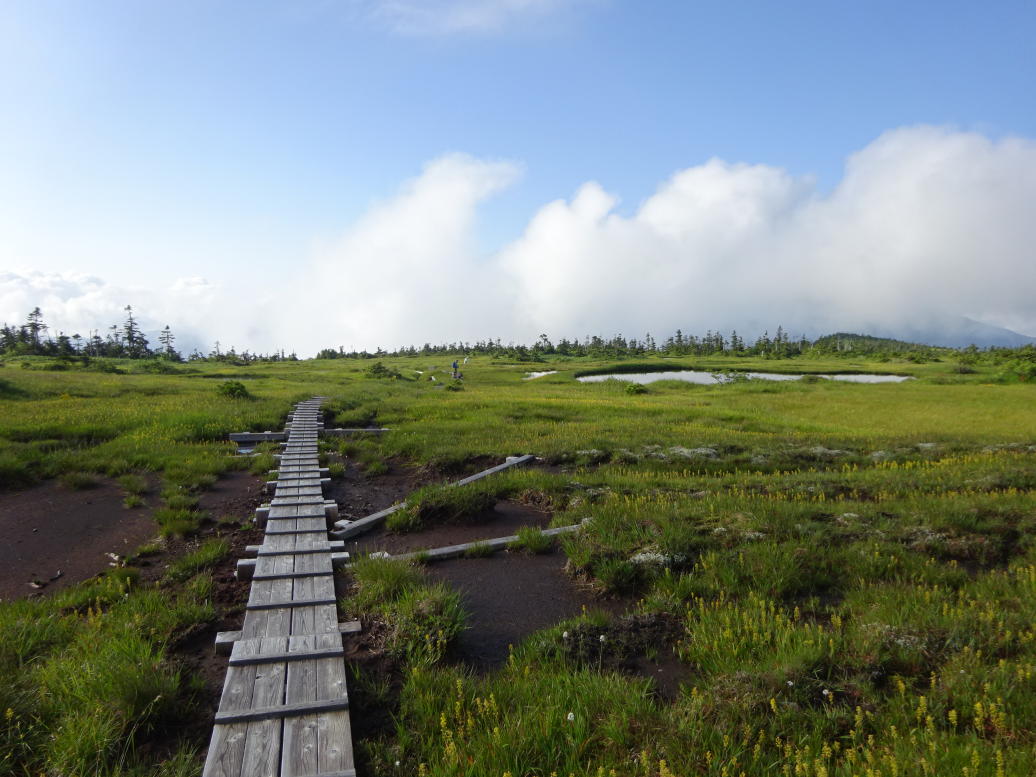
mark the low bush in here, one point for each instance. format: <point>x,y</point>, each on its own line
<point>234,389</point>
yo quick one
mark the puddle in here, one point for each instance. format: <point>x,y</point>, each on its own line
<point>510,596</point>
<point>712,378</point>
<point>534,375</point>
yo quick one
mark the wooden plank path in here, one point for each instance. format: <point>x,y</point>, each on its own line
<point>285,707</point>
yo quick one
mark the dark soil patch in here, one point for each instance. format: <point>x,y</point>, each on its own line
<point>234,496</point>
<point>511,595</point>
<point>359,495</point>
<point>636,644</point>
<point>74,531</point>
<point>59,537</point>
<point>503,520</point>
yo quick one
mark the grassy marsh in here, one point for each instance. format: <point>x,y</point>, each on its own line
<point>850,567</point>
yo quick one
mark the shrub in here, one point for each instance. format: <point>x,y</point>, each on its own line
<point>379,370</point>
<point>636,388</point>
<point>233,389</point>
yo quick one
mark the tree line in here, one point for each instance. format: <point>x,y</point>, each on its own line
<point>712,343</point>
<point>123,340</point>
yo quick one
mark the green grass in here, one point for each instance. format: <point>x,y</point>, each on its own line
<point>876,542</point>
<point>87,675</point>
<point>207,555</point>
<point>422,617</point>
<point>479,550</point>
<point>78,481</point>
<point>531,539</point>
<point>436,505</point>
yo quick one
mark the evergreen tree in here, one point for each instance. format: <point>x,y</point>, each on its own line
<point>34,328</point>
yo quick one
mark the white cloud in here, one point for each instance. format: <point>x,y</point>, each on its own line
<point>197,311</point>
<point>927,225</point>
<point>408,271</point>
<point>444,17</point>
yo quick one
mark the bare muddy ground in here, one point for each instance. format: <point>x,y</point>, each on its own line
<point>509,596</point>
<point>57,537</point>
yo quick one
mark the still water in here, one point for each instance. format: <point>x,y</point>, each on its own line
<point>711,378</point>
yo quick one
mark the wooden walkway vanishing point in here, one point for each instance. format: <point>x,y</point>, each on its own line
<point>285,707</point>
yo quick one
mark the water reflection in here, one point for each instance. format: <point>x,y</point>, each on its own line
<point>712,378</point>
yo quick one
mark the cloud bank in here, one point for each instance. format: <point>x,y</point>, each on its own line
<point>927,225</point>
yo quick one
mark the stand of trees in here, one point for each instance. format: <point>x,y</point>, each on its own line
<point>121,341</point>
<point>125,340</point>
<point>779,346</point>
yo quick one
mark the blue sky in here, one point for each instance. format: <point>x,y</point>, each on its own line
<point>181,139</point>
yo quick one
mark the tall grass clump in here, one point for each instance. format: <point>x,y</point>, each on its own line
<point>436,505</point>
<point>207,555</point>
<point>531,539</point>
<point>422,618</point>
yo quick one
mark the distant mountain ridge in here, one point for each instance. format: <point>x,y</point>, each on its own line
<point>953,333</point>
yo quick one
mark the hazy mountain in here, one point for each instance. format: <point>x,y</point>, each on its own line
<point>955,333</point>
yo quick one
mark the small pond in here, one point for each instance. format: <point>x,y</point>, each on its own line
<point>712,378</point>
<point>534,375</point>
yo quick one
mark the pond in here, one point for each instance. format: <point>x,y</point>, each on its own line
<point>712,378</point>
<point>534,375</point>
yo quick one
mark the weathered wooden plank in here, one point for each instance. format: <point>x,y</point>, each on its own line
<point>227,748</point>
<point>263,739</point>
<point>281,710</point>
<point>321,743</point>
<point>289,602</point>
<point>226,751</point>
<point>318,546</point>
<point>315,620</point>
<point>299,482</point>
<point>288,491</point>
<point>297,511</point>
<point>274,658</point>
<point>298,500</point>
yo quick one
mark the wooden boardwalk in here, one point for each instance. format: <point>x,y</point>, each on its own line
<point>285,707</point>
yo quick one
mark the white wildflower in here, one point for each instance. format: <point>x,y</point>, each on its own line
<point>571,717</point>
